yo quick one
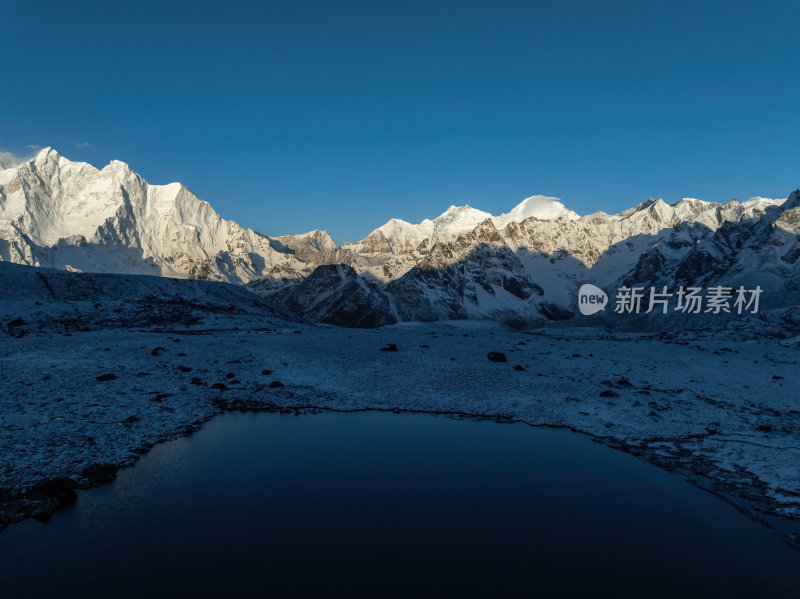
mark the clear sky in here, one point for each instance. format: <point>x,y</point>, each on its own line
<point>288,116</point>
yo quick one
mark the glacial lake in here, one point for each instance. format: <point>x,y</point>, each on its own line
<point>378,504</point>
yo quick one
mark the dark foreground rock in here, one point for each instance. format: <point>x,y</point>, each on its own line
<point>56,488</point>
<point>496,356</point>
<point>100,473</point>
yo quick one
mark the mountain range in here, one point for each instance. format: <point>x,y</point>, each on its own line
<point>521,267</point>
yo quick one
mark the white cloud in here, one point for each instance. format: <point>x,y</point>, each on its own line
<point>12,159</point>
<point>8,160</point>
<point>81,144</point>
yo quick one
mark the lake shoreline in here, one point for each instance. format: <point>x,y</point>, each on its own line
<point>758,507</point>
<point>733,438</point>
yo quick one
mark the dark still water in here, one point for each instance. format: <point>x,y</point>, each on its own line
<point>376,504</point>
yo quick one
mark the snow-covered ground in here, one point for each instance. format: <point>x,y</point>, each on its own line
<point>722,409</point>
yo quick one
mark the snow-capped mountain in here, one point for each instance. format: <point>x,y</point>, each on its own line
<point>336,294</point>
<point>69,215</point>
<point>529,271</point>
<point>398,236</point>
<point>522,266</point>
<point>539,207</point>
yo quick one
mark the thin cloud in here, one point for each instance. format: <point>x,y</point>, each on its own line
<point>81,144</point>
<point>13,159</point>
<point>8,160</point>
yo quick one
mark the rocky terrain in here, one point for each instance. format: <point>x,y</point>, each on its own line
<point>719,408</point>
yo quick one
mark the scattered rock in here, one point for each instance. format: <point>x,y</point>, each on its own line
<point>389,347</point>
<point>266,372</point>
<point>110,376</point>
<point>131,419</point>
<point>157,351</point>
<point>100,473</point>
<point>184,369</point>
<point>197,381</point>
<point>182,355</point>
<point>230,375</point>
<point>44,509</point>
<point>161,397</point>
<point>52,492</point>
<point>276,384</point>
<point>519,368</point>
<point>496,356</point>
<point>608,393</point>
<point>220,386</point>
<point>53,487</point>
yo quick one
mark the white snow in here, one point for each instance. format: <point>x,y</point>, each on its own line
<point>403,236</point>
<point>541,207</point>
<point>54,211</point>
<point>711,400</point>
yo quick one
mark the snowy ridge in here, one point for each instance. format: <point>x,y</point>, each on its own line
<point>401,237</point>
<point>521,266</point>
<point>528,272</point>
<point>541,207</point>
<point>57,213</point>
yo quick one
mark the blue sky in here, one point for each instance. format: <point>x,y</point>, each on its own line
<point>288,116</point>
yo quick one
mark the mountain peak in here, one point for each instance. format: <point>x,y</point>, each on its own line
<point>537,206</point>
<point>47,153</point>
<point>793,201</point>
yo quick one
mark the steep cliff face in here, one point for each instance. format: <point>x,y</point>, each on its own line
<point>62,214</point>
